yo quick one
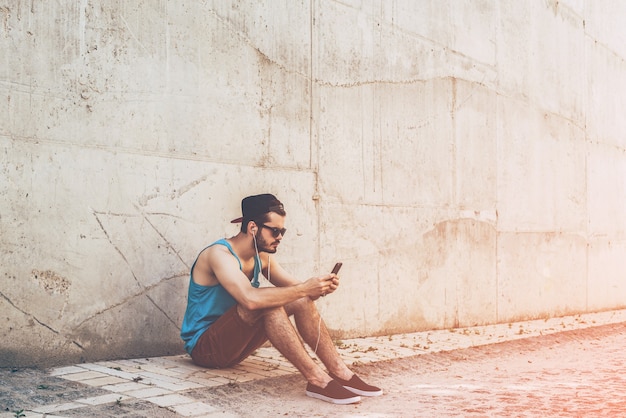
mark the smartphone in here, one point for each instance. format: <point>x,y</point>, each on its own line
<point>336,268</point>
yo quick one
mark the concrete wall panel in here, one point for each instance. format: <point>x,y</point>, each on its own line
<point>541,56</point>
<point>606,277</point>
<point>382,129</point>
<point>607,78</point>
<point>416,269</point>
<point>540,275</point>
<point>603,22</point>
<point>159,79</point>
<point>541,176</point>
<point>606,177</point>
<point>475,149</point>
<point>374,290</point>
<point>403,41</point>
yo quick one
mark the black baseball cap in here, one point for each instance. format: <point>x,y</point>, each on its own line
<point>254,206</point>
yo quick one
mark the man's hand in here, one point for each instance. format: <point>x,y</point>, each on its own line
<point>322,285</point>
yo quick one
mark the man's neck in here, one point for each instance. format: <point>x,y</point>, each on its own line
<point>243,246</point>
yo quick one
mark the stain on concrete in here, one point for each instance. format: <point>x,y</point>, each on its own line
<point>5,12</point>
<point>51,282</point>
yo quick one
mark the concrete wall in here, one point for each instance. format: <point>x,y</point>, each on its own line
<point>466,160</point>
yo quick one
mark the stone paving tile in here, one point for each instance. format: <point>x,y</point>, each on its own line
<point>158,368</point>
<point>130,364</point>
<point>210,381</point>
<point>84,375</point>
<point>180,360</point>
<point>148,393</point>
<point>58,407</point>
<point>103,381</point>
<point>171,400</point>
<point>59,371</point>
<point>159,374</point>
<point>125,387</point>
<point>112,371</point>
<point>174,386</point>
<point>99,400</point>
<point>192,409</point>
<point>123,372</point>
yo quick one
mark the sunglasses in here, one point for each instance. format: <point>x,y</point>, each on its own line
<point>276,232</point>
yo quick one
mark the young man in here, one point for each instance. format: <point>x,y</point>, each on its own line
<point>229,316</point>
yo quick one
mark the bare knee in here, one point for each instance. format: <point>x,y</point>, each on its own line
<point>301,305</point>
<point>252,317</point>
<point>248,316</point>
<point>274,313</point>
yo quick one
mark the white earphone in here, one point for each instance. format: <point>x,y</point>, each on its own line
<point>256,249</point>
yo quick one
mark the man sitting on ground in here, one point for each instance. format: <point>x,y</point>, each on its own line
<point>229,316</point>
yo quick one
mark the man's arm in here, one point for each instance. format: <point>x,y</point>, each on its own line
<point>226,269</point>
<point>279,277</point>
<point>276,274</point>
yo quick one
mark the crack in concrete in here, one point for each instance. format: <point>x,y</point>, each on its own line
<point>167,243</point>
<point>143,292</point>
<point>144,289</point>
<point>242,36</point>
<point>34,318</point>
<point>6,12</point>
<point>184,189</point>
<point>10,302</point>
<point>115,246</point>
<point>156,305</point>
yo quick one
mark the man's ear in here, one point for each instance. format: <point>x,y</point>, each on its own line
<point>252,227</point>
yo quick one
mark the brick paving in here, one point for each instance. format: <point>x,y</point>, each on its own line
<point>571,374</point>
<point>494,381</point>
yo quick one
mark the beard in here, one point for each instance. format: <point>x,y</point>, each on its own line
<point>265,246</point>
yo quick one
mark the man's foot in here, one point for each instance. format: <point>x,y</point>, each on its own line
<point>333,393</point>
<point>356,385</point>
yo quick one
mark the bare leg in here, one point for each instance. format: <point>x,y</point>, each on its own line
<point>315,334</point>
<point>285,339</point>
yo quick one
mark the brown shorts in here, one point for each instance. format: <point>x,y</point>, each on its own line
<point>228,341</point>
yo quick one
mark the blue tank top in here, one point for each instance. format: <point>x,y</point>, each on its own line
<point>205,304</point>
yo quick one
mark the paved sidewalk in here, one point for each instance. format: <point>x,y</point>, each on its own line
<point>159,386</point>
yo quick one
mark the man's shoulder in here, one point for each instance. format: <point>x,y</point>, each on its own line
<point>211,258</point>
<point>218,247</point>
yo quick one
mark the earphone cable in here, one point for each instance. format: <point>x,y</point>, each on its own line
<point>269,278</point>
